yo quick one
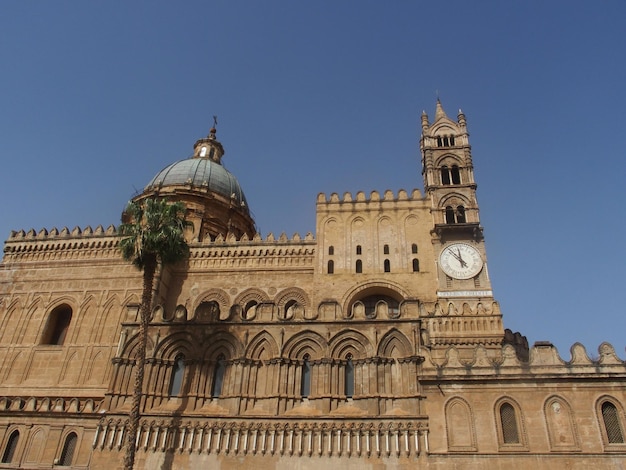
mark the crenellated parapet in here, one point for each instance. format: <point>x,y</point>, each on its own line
<point>64,244</point>
<point>544,360</point>
<point>270,253</point>
<point>374,197</point>
<point>89,243</point>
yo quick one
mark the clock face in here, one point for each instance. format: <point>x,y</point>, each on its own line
<point>460,261</point>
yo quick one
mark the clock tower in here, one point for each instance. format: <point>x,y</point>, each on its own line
<point>465,313</point>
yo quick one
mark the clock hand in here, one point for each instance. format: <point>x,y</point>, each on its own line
<point>455,256</point>
<point>460,258</point>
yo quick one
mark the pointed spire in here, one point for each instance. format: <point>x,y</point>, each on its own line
<point>461,118</point>
<point>439,112</point>
<point>425,123</point>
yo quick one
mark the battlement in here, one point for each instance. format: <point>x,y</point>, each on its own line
<point>375,197</point>
<point>89,243</point>
<point>544,359</point>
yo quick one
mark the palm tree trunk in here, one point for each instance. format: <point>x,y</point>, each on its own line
<point>149,270</point>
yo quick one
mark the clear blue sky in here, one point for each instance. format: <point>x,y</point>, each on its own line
<point>326,96</point>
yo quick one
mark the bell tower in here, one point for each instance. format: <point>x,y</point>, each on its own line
<point>465,313</point>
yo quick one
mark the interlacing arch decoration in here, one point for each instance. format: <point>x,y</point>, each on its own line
<point>248,301</point>
<point>204,307</point>
<point>292,304</point>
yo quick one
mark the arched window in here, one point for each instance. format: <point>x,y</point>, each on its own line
<point>358,249</point>
<point>445,175</point>
<point>439,142</point>
<point>57,325</point>
<point>67,455</point>
<point>387,266</point>
<point>508,419</point>
<point>612,426</point>
<point>178,372</point>
<point>414,248</point>
<point>455,215</point>
<point>460,215</point>
<point>455,174</point>
<point>203,152</point>
<point>386,249</point>
<point>9,450</point>
<point>450,215</point>
<point>331,250</point>
<point>305,381</point>
<point>451,140</point>
<point>359,266</point>
<point>331,267</point>
<point>416,265</point>
<point>349,377</point>
<point>218,376</point>
<point>446,142</point>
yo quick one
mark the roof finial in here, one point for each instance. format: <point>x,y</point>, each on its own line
<point>213,129</point>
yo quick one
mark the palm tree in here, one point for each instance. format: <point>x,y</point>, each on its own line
<point>153,233</point>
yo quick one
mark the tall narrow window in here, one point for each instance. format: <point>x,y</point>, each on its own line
<point>439,143</point>
<point>612,425</point>
<point>445,175</point>
<point>359,266</point>
<point>57,325</point>
<point>508,419</point>
<point>446,142</point>
<point>67,455</point>
<point>387,266</point>
<point>177,376</point>
<point>305,382</point>
<point>449,215</point>
<point>218,376</point>
<point>460,215</point>
<point>331,250</point>
<point>386,249</point>
<point>331,267</point>
<point>416,265</point>
<point>349,377</point>
<point>451,140</point>
<point>455,174</point>
<point>358,249</point>
<point>414,248</point>
<point>9,450</point>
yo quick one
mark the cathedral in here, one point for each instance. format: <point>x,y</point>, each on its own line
<point>374,343</point>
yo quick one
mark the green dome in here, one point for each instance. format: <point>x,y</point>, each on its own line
<point>200,173</point>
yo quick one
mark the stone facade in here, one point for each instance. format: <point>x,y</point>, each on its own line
<point>375,343</point>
